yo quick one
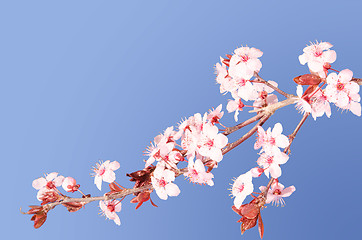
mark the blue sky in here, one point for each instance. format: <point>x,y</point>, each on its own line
<point>82,81</point>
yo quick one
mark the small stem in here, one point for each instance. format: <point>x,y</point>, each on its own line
<point>246,135</point>
<point>261,80</point>
<point>81,192</point>
<point>357,80</point>
<point>230,130</point>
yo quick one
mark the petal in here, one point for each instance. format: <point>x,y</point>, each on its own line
<point>330,56</point>
<point>277,130</point>
<point>109,176</point>
<point>161,192</point>
<point>117,220</point>
<point>169,175</point>
<point>51,176</point>
<point>355,108</point>
<point>220,141</point>
<point>345,75</point>
<point>288,191</point>
<point>98,182</point>
<point>172,190</point>
<point>118,206</point>
<point>39,183</point>
<point>58,181</point>
<point>114,165</point>
<point>239,199</point>
<point>282,141</point>
<point>275,170</point>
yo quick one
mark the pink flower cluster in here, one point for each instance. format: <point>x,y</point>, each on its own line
<point>48,185</point>
<point>340,89</point>
<point>234,76</point>
<point>200,143</point>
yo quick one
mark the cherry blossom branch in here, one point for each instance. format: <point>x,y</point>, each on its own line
<point>357,80</point>
<point>273,107</point>
<point>287,149</point>
<point>261,80</point>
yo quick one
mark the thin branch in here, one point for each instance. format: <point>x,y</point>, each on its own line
<point>261,80</point>
<point>357,80</point>
<point>230,130</point>
<point>233,145</point>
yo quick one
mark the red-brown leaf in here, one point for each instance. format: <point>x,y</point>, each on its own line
<point>261,227</point>
<point>307,79</point>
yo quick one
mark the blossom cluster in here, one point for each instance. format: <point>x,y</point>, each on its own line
<point>234,75</point>
<point>201,144</point>
<point>340,89</point>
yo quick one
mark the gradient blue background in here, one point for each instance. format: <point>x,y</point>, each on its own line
<point>88,80</point>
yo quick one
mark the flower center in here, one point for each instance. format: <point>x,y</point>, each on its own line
<point>111,207</point>
<point>241,188</point>
<point>210,143</point>
<point>272,141</point>
<point>263,94</point>
<point>245,58</point>
<point>162,182</point>
<point>194,173</point>
<point>101,171</point>
<point>277,192</point>
<point>50,185</point>
<point>269,160</point>
<point>340,86</point>
<point>318,53</point>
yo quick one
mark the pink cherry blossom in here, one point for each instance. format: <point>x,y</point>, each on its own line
<point>245,62</point>
<point>242,187</point>
<point>215,115</point>
<point>277,192</point>
<point>302,105</point>
<point>317,56</point>
<point>271,163</point>
<point>271,140</point>
<point>162,182</point>
<point>262,94</point>
<point>235,106</point>
<point>70,185</point>
<point>211,142</point>
<point>343,92</point>
<point>110,208</point>
<point>51,181</point>
<point>197,174</point>
<point>320,105</point>
<point>105,172</point>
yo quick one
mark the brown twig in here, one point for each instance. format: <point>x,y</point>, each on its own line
<point>230,130</point>
<point>261,80</point>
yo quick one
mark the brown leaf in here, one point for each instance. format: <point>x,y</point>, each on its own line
<point>307,79</point>
<point>73,206</point>
<point>261,226</point>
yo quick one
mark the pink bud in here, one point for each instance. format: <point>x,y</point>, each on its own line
<point>70,185</point>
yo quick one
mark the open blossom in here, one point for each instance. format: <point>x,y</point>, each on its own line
<point>277,192</point>
<point>51,181</point>
<point>235,106</point>
<point>242,187</point>
<point>302,105</point>
<point>271,140</point>
<point>105,172</point>
<point>262,94</point>
<point>320,105</point>
<point>245,62</point>
<point>162,182</point>
<point>318,56</point>
<point>271,163</point>
<point>215,115</point>
<point>163,145</point>
<point>110,208</point>
<point>343,92</point>
<point>211,142</point>
<point>197,174</point>
<point>70,184</point>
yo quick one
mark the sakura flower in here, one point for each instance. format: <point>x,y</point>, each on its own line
<point>261,94</point>
<point>51,181</point>
<point>235,106</point>
<point>215,114</point>
<point>110,208</point>
<point>70,185</point>
<point>270,140</point>
<point>197,174</point>
<point>105,172</point>
<point>320,105</point>
<point>222,77</point>
<point>271,163</point>
<point>245,62</point>
<point>277,192</point>
<point>343,92</point>
<point>245,88</point>
<point>241,188</point>
<point>212,142</point>
<point>302,105</point>
<point>162,182</point>
<point>318,57</point>
<point>163,145</point>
